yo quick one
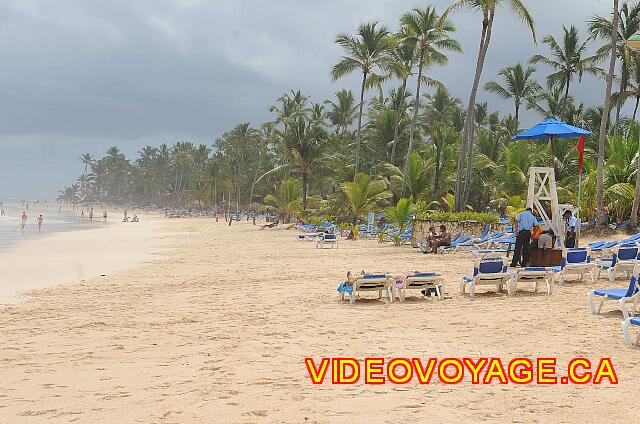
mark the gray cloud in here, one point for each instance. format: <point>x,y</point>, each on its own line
<point>78,76</point>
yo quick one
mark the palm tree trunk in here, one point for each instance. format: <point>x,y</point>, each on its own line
<point>469,178</point>
<point>396,128</point>
<point>605,116</point>
<point>436,183</point>
<point>359,137</point>
<point>470,120</point>
<point>412,127</point>
<point>635,109</point>
<point>636,197</point>
<point>517,115</point>
<point>304,190</point>
<point>623,86</point>
<point>564,101</point>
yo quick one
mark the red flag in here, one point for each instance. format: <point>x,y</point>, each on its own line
<point>580,148</point>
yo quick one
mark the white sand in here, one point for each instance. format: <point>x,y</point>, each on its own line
<point>217,333</point>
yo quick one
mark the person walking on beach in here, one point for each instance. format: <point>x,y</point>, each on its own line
<point>40,221</point>
<point>104,216</point>
<point>24,220</point>
<point>525,221</point>
<point>91,216</point>
<point>126,216</point>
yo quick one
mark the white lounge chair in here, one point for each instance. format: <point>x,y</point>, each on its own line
<point>631,294</point>
<point>577,261</point>
<point>624,259</point>
<point>328,239</point>
<point>535,275</point>
<point>421,281</point>
<point>626,330</point>
<point>367,283</point>
<point>486,271</point>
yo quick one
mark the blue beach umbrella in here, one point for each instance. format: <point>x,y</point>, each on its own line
<point>550,129</point>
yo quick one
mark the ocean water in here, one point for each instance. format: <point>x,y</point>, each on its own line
<point>55,221</point>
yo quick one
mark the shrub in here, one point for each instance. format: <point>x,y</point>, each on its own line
<point>459,216</point>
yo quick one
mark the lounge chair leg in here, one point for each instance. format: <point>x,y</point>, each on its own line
<point>592,303</point>
<point>472,290</point>
<point>352,296</point>
<point>623,308</point>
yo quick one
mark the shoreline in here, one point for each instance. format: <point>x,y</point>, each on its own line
<point>68,257</point>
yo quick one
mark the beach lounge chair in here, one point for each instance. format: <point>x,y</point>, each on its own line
<point>486,271</point>
<point>577,261</point>
<point>535,275</point>
<point>624,259</point>
<point>630,294</point>
<point>604,247</point>
<point>455,244</point>
<point>327,238</point>
<point>421,281</point>
<point>367,283</point>
<point>626,330</point>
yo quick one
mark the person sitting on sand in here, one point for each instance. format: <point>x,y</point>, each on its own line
<point>431,236</point>
<point>135,218</point>
<point>443,239</point>
<point>39,221</point>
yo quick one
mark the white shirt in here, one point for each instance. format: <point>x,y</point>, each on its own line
<point>571,222</point>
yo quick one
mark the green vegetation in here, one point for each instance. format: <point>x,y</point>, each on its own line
<point>459,216</point>
<point>403,136</point>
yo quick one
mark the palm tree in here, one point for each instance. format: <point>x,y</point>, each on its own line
<point>287,199</point>
<point>291,107</point>
<point>568,59</point>
<point>366,52</point>
<point>363,194</point>
<point>306,140</point>
<point>488,10</point>
<point>431,36</point>
<point>403,56</point>
<point>343,111</point>
<point>549,103</point>
<point>600,27</point>
<point>632,88</point>
<point>518,85</point>
<point>400,214</point>
<point>605,116</point>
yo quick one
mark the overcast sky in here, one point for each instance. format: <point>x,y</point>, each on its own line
<point>79,76</point>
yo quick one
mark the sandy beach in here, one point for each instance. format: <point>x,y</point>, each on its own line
<point>216,331</point>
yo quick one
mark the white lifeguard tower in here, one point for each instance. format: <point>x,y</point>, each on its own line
<point>542,198</point>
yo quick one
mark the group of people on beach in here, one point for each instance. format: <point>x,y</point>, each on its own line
<point>530,235</point>
<point>436,240</point>
<point>24,218</point>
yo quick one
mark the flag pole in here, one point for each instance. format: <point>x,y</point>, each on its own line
<point>579,209</point>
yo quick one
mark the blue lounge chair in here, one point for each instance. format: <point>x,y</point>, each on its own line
<point>486,271</point>
<point>625,258</point>
<point>606,246</point>
<point>577,261</point>
<point>626,324</point>
<point>623,296</point>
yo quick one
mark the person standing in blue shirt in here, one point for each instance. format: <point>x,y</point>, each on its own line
<point>525,221</point>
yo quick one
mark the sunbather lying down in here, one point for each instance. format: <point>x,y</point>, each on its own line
<point>271,225</point>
